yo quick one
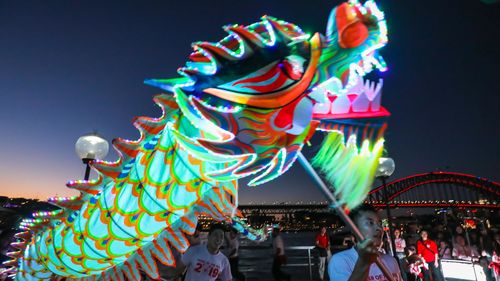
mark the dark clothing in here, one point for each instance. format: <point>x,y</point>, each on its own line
<point>278,274</point>
<point>233,263</point>
<point>434,271</point>
<point>322,252</point>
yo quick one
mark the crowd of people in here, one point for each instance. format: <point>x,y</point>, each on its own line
<point>421,258</point>
<point>417,257</point>
<point>414,254</point>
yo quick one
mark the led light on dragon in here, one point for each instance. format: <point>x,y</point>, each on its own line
<point>242,107</point>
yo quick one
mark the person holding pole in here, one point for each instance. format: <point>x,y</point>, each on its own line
<point>358,263</point>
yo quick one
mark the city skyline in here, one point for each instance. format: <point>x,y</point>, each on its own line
<point>69,69</point>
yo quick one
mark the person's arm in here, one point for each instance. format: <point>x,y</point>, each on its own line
<point>419,247</point>
<point>279,246</point>
<point>423,263</point>
<point>360,272</point>
<point>233,251</point>
<point>317,241</point>
<point>180,268</point>
<point>436,254</point>
<point>184,262</point>
<point>367,255</point>
<point>234,248</point>
<point>279,251</point>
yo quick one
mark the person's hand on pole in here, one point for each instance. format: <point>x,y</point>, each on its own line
<point>367,252</point>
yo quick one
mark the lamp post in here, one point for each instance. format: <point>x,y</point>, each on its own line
<point>89,147</point>
<point>386,167</point>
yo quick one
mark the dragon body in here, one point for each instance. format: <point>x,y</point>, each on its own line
<point>243,107</point>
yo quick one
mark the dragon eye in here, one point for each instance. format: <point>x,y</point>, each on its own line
<point>271,78</point>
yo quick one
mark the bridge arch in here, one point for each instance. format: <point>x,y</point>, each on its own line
<point>436,189</point>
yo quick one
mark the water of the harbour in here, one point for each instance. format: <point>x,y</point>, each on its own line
<point>256,259</point>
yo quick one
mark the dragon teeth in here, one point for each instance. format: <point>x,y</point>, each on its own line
<point>362,96</point>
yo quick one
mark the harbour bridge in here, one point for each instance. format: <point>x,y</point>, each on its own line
<point>438,189</point>
<point>434,189</point>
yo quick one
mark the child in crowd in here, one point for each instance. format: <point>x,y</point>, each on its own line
<point>414,264</point>
<point>495,265</point>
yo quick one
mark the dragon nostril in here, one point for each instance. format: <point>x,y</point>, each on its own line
<point>353,35</point>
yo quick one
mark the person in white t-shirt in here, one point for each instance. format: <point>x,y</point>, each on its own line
<point>358,262</point>
<point>206,262</point>
<point>462,251</point>
<point>400,244</point>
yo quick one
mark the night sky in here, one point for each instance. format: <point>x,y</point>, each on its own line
<point>72,67</point>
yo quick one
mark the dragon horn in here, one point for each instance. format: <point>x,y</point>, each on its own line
<point>168,84</point>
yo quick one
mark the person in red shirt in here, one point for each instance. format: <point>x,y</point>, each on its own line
<point>323,246</point>
<point>428,249</point>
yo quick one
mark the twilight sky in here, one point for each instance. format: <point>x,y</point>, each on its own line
<point>71,67</point>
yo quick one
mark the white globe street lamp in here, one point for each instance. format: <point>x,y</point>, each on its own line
<point>89,147</point>
<point>385,169</point>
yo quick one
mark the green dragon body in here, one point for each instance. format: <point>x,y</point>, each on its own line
<point>243,107</point>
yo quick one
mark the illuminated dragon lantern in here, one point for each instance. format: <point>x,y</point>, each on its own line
<point>243,107</point>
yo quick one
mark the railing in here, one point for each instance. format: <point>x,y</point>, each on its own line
<point>309,258</point>
<point>256,260</point>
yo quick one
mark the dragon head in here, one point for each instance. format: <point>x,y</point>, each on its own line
<point>258,95</point>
